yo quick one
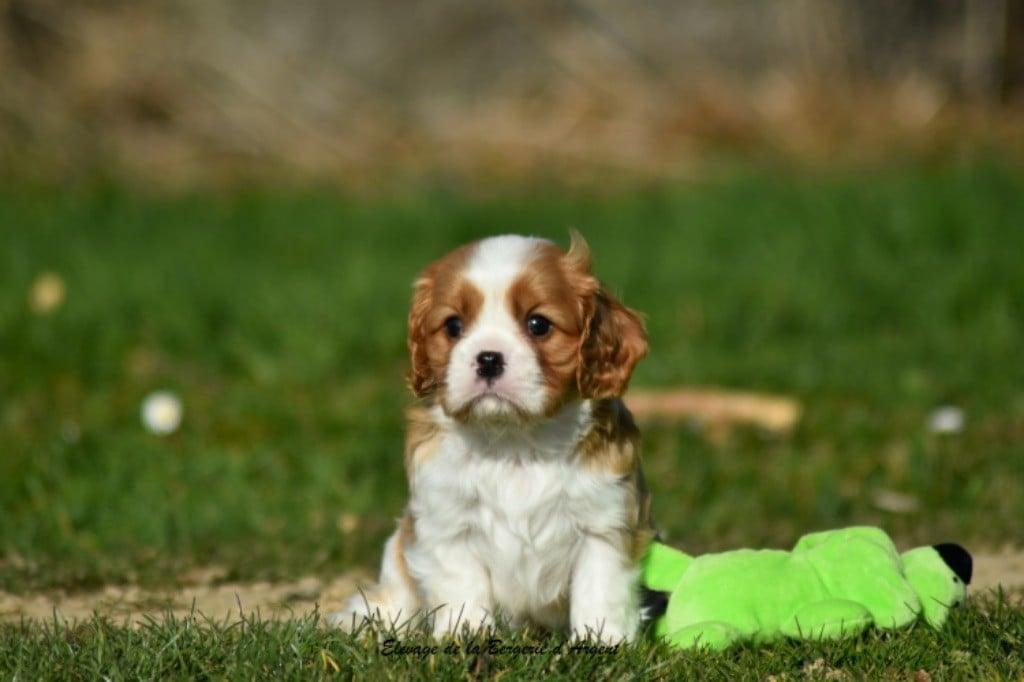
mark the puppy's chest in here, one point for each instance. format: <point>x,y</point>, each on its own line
<point>513,500</point>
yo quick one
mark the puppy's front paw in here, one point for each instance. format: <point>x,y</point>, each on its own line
<point>602,634</point>
<point>607,621</point>
<point>604,604</point>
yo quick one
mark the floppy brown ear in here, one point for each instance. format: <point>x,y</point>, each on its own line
<point>615,341</point>
<point>422,377</point>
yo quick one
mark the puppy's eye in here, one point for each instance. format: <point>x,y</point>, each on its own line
<point>453,327</point>
<point>538,326</point>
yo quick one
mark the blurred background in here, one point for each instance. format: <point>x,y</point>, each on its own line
<point>211,214</point>
<point>179,93</point>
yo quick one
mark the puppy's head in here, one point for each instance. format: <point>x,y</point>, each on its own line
<point>512,328</point>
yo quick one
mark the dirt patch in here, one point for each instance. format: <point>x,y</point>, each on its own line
<point>1004,568</point>
<point>219,602</point>
<point>228,601</point>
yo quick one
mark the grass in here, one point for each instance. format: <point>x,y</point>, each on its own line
<point>279,320</point>
<point>985,641</point>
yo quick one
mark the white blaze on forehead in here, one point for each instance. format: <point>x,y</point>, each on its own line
<point>497,261</point>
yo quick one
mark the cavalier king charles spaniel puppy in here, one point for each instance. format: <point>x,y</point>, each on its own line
<point>527,502</point>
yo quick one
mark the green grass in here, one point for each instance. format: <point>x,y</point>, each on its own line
<point>985,641</point>
<point>279,319</point>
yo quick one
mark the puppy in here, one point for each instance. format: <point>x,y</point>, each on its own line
<point>527,502</point>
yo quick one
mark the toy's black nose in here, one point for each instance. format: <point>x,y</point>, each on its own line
<point>490,364</point>
<point>958,559</point>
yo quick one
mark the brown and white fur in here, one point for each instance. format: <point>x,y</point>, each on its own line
<point>527,502</point>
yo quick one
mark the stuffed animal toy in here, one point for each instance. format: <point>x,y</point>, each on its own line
<point>833,584</point>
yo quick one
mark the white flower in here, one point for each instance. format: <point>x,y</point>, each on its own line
<point>162,412</point>
<point>946,419</point>
<point>47,293</point>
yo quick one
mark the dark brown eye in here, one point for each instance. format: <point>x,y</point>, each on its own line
<point>453,327</point>
<point>538,326</point>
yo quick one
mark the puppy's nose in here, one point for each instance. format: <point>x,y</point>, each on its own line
<point>490,364</point>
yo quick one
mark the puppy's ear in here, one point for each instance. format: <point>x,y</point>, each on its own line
<point>613,339</point>
<point>422,377</point>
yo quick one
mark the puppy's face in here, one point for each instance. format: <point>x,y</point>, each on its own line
<point>512,328</point>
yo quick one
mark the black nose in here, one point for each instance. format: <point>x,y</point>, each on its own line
<point>490,364</point>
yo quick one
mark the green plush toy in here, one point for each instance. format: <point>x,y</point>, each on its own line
<point>833,584</point>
